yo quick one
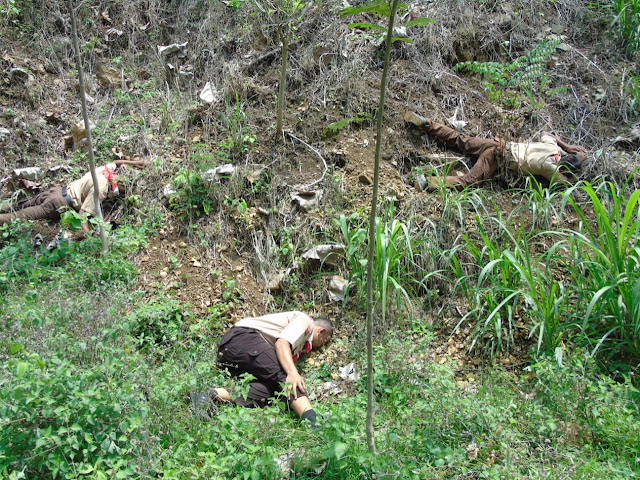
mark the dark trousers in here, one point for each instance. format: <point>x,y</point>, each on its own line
<point>244,350</point>
<point>43,206</point>
<point>486,151</point>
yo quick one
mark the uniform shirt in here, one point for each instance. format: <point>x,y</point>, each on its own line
<point>536,158</point>
<point>295,327</point>
<point>81,191</point>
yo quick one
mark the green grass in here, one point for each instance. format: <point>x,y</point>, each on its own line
<point>95,380</point>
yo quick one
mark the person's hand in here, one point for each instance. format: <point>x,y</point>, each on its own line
<point>297,383</point>
<point>576,149</point>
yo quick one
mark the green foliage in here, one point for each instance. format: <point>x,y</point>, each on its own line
<point>522,74</point>
<point>625,19</point>
<point>19,263</point>
<point>192,198</point>
<point>606,266</point>
<point>60,420</point>
<point>158,324</point>
<point>335,127</point>
<point>382,8</point>
<point>395,248</point>
<point>239,137</point>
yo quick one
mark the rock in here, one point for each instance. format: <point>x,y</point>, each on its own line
<point>168,190</point>
<point>29,173</point>
<point>210,94</point>
<point>79,134</point>
<point>218,173</point>
<point>324,253</point>
<point>180,48</point>
<point>4,132</point>
<point>253,177</point>
<point>276,281</point>
<point>337,288</point>
<point>364,179</point>
<point>348,372</point>
<point>19,75</point>
<point>306,200</point>
<point>185,75</point>
<point>108,76</point>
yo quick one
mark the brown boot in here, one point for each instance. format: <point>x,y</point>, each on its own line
<point>415,119</point>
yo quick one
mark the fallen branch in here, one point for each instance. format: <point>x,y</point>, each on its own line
<point>321,158</point>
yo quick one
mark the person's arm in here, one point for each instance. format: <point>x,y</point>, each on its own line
<point>576,149</point>
<point>85,225</point>
<point>285,357</point>
<point>135,163</point>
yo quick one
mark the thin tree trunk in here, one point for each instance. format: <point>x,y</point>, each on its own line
<point>372,238</point>
<point>87,127</point>
<point>283,80</point>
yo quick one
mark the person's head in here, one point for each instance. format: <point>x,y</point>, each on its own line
<point>322,331</point>
<point>571,162</point>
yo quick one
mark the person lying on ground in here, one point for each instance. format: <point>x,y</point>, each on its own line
<point>551,157</point>
<point>267,347</point>
<point>77,195</point>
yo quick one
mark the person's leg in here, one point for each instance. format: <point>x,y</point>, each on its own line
<point>483,169</point>
<point>44,206</point>
<point>465,144</point>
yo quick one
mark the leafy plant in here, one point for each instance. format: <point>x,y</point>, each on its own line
<point>395,248</point>
<point>64,421</point>
<point>335,127</point>
<point>158,324</point>
<point>522,74</point>
<point>239,136</point>
<point>192,198</point>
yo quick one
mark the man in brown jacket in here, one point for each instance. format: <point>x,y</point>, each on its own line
<point>77,195</point>
<point>267,347</point>
<point>547,158</point>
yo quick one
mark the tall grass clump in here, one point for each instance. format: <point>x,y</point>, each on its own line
<point>394,277</point>
<point>606,270</point>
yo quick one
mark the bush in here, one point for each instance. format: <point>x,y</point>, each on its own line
<point>59,420</point>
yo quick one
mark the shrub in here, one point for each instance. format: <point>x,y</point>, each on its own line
<point>59,420</point>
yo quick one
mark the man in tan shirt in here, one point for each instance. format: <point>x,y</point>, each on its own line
<point>547,158</point>
<point>267,347</point>
<point>77,195</point>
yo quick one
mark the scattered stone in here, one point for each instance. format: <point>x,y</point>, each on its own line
<point>364,179</point>
<point>112,34</point>
<point>276,282</point>
<point>4,132</point>
<point>19,75</point>
<point>306,200</point>
<point>218,173</point>
<point>210,94</point>
<point>58,168</point>
<point>324,253</point>
<point>634,136</point>
<point>348,372</point>
<point>36,242</point>
<point>79,134</point>
<point>337,288</point>
<point>185,75</point>
<point>108,76</point>
<point>57,240</point>
<point>180,48</point>
<point>168,190</point>
<point>29,173</point>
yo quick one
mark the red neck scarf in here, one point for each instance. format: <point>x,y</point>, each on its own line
<point>110,174</point>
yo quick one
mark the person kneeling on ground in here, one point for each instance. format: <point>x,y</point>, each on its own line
<point>77,195</point>
<point>267,347</point>
<point>551,158</point>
